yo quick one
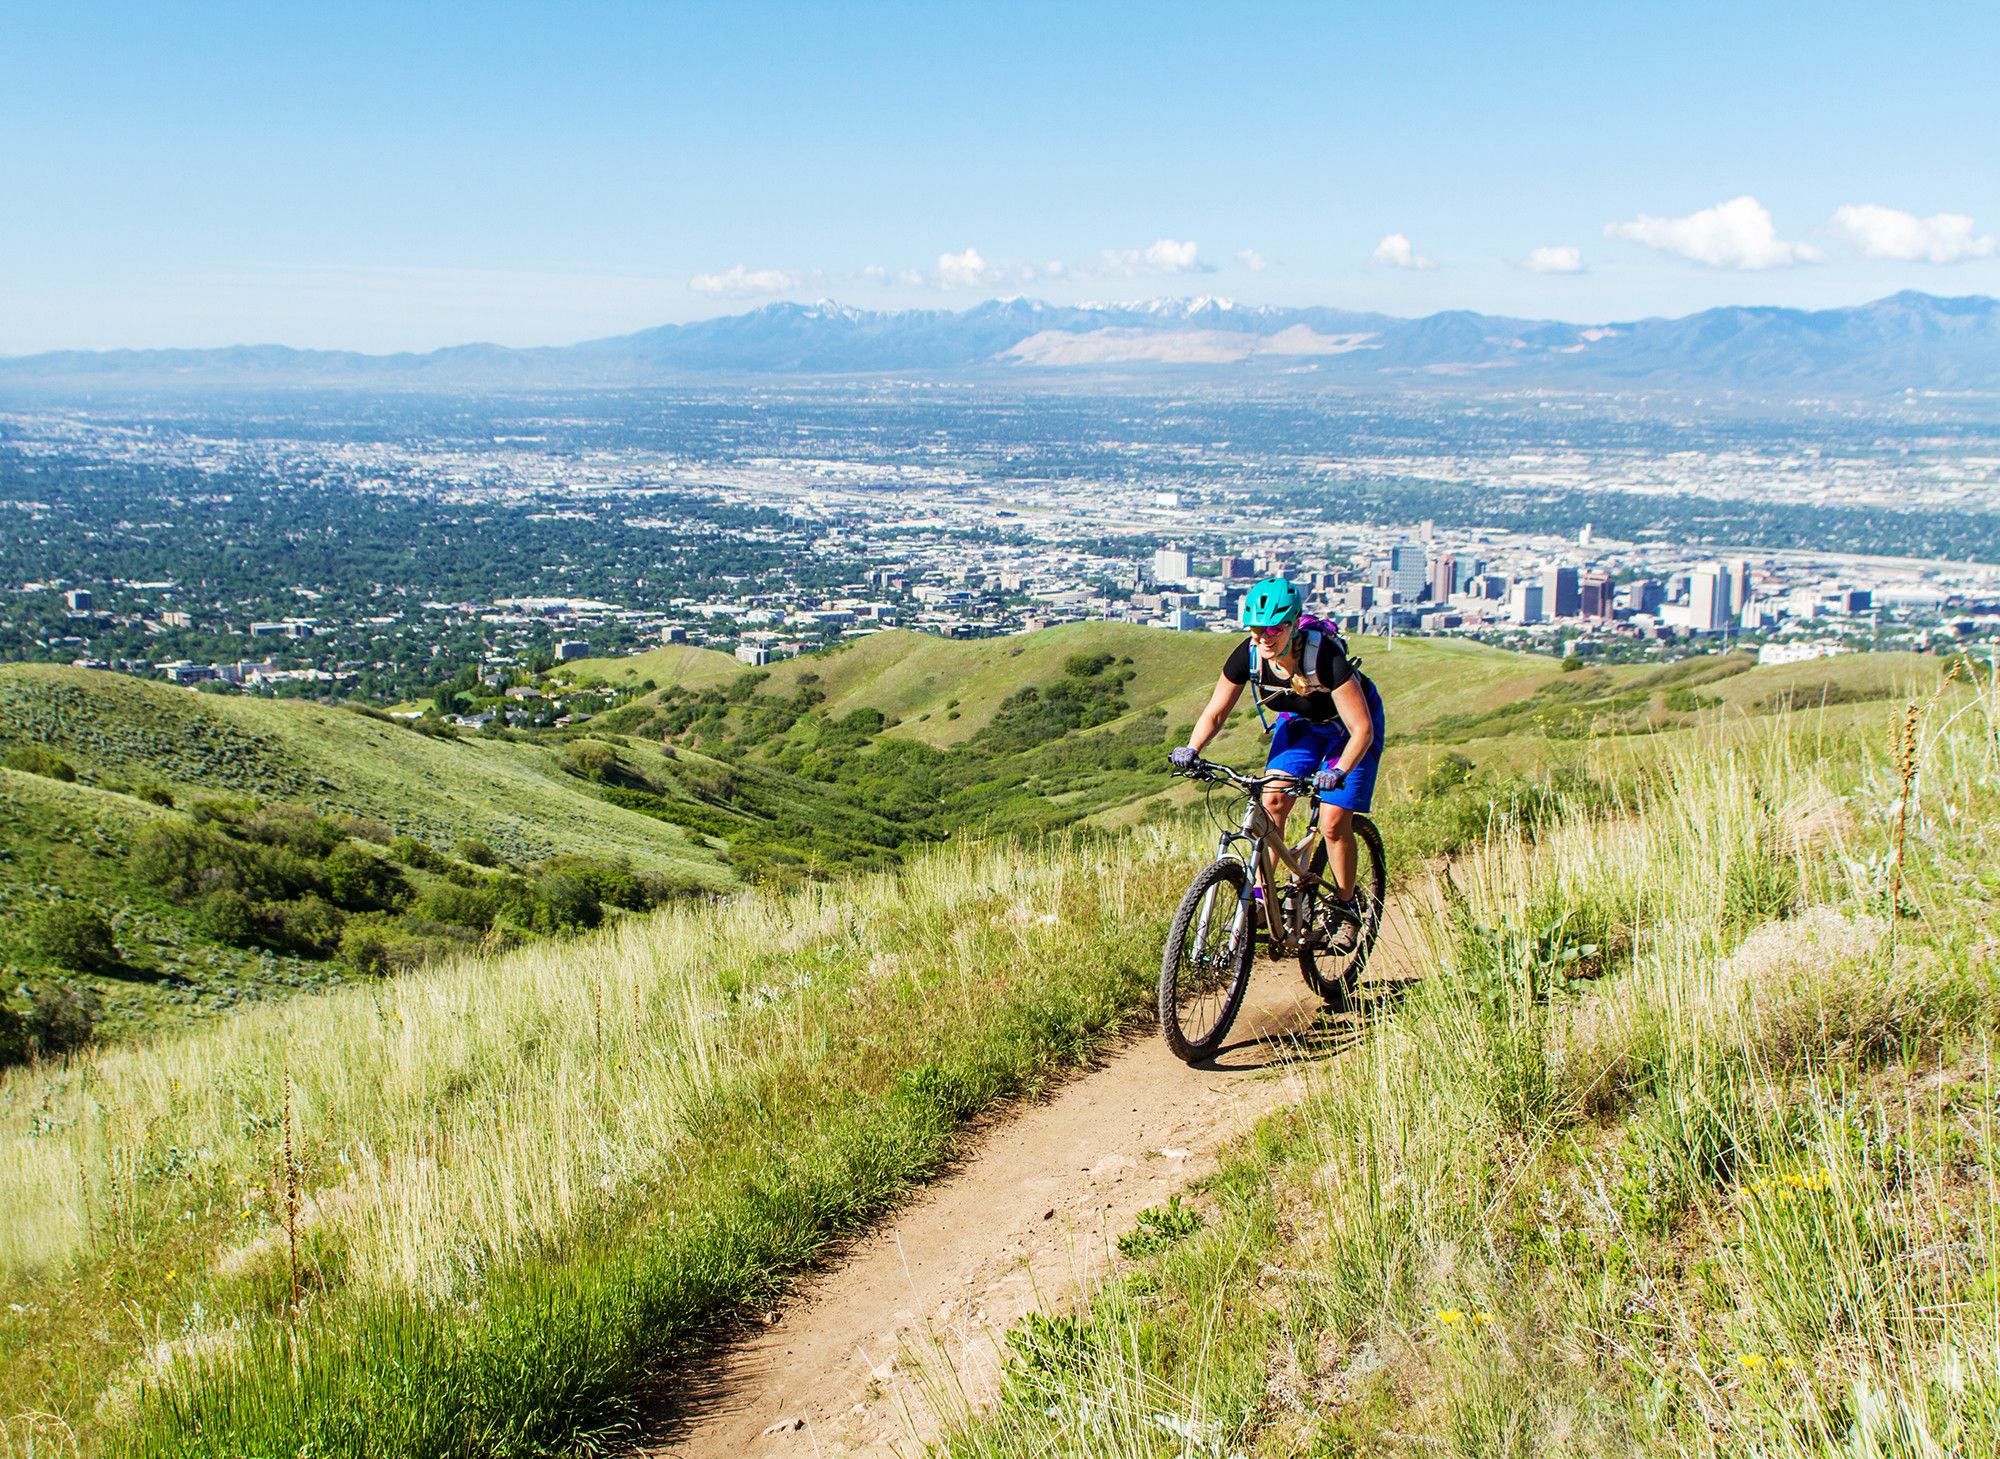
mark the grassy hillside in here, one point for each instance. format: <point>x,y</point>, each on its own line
<point>116,729</point>
<point>667,666</point>
<point>492,1198</point>
<point>249,924</point>
<point>1686,1146</point>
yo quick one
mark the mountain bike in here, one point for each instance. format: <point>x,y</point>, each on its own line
<point>1259,886</point>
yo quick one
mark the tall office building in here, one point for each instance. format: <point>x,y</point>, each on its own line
<point>1560,595</point>
<point>1406,573</point>
<point>1464,570</point>
<point>1708,599</point>
<point>1525,606</point>
<point>1170,565</point>
<point>1738,575</point>
<point>1444,578</point>
<point>1594,593</point>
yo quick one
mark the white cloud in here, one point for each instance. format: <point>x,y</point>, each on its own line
<point>1887,233</point>
<point>1397,252</point>
<point>1165,256</point>
<point>1737,234</point>
<point>1253,260</point>
<point>1561,259</point>
<point>742,283</point>
<point>965,270</point>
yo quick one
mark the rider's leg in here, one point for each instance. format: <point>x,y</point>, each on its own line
<point>1336,828</point>
<point>1278,806</point>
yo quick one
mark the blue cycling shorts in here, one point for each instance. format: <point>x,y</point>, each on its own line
<point>1300,747</point>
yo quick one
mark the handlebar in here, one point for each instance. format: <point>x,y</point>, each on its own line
<point>1208,770</point>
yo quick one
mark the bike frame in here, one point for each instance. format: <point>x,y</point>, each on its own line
<point>1263,850</point>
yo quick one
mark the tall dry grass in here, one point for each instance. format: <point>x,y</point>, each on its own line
<point>425,1142</point>
<point>1684,1145</point>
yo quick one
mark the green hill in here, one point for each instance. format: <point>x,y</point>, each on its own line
<point>116,729</point>
<point>668,666</point>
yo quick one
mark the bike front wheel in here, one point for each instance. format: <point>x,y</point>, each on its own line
<point>1207,963</point>
<point>1331,971</point>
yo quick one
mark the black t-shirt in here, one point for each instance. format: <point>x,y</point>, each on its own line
<point>1274,688</point>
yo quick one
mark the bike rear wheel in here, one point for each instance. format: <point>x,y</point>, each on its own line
<point>1335,976</point>
<point>1207,962</point>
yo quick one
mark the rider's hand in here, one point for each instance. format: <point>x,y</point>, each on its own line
<point>1329,780</point>
<point>1183,758</point>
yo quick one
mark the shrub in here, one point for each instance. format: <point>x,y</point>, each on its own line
<point>295,828</point>
<point>460,906</point>
<point>1447,773</point>
<point>565,900</point>
<point>155,795</point>
<point>412,852</point>
<point>39,761</point>
<point>185,862</point>
<point>364,947</point>
<point>477,852</point>
<point>16,1044</point>
<point>62,1018</point>
<point>228,916</point>
<point>311,924</point>
<point>591,760</point>
<point>76,937</point>
<point>214,810</point>
<point>363,829</point>
<point>361,882</point>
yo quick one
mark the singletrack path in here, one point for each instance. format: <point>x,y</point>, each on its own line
<point>908,1323</point>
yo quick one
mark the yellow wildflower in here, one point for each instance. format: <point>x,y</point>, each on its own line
<point>1449,1317</point>
<point>1750,1362</point>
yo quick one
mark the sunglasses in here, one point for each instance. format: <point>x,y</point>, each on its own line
<point>1266,631</point>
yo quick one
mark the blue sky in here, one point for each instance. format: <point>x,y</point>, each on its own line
<point>406,176</point>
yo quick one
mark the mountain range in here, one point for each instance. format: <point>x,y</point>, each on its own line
<point>1908,341</point>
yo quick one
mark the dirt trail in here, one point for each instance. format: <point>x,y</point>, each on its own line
<point>1025,1222</point>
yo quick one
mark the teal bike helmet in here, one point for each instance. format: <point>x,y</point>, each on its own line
<point>1270,602</point>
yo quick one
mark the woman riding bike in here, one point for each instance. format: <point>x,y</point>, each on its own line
<point>1330,722</point>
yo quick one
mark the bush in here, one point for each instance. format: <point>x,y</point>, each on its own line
<point>186,862</point>
<point>412,852</point>
<point>76,937</point>
<point>477,852</point>
<point>228,916</point>
<point>1446,774</point>
<point>295,828</point>
<point>62,1018</point>
<point>460,906</point>
<point>155,795</point>
<point>591,760</point>
<point>564,901</point>
<point>214,810</point>
<point>364,947</point>
<point>17,1046</point>
<point>310,925</point>
<point>38,761</point>
<point>361,882</point>
<point>363,829</point>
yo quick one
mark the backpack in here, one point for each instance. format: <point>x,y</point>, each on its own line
<point>1317,631</point>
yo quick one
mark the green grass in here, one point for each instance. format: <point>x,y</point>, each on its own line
<point>667,666</point>
<point>532,1179</point>
<point>1724,1185</point>
<point>510,795</point>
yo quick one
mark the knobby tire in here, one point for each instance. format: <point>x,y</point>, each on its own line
<point>1202,987</point>
<point>1336,978</point>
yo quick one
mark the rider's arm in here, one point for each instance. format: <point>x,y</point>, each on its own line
<point>1353,707</point>
<point>1208,724</point>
